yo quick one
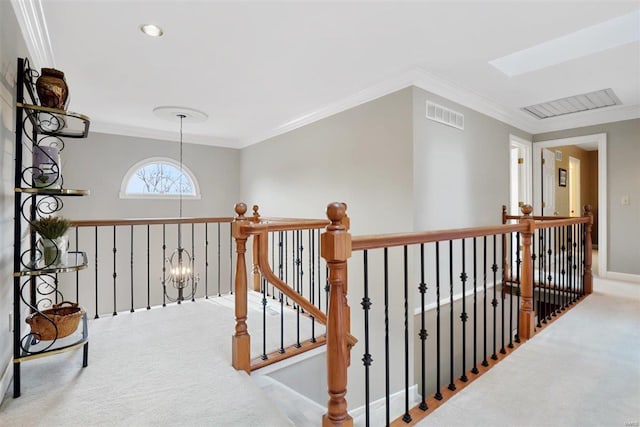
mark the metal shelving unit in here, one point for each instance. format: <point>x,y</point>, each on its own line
<point>36,283</point>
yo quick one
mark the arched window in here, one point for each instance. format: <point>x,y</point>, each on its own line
<point>159,178</point>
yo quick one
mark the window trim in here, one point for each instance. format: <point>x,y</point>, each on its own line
<point>148,161</point>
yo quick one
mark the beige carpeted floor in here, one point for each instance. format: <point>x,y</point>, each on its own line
<point>163,367</point>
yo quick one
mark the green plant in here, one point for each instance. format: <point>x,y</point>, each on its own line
<point>51,227</point>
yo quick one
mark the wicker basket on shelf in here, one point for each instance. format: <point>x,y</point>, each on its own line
<point>65,316</point>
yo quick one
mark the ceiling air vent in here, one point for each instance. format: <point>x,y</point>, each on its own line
<point>574,104</point>
<point>444,115</point>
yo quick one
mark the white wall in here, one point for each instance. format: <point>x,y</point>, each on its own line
<point>100,162</point>
<point>11,46</point>
<point>361,156</point>
<point>460,177</point>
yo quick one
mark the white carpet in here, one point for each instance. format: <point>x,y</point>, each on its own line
<point>164,367</point>
<point>583,370</point>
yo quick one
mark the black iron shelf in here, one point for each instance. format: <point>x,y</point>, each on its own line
<point>54,122</point>
<point>76,261</point>
<point>52,191</point>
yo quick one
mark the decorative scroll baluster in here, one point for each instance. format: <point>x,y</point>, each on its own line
<point>423,333</point>
<point>438,395</point>
<point>588,248</point>
<point>463,315</point>
<point>406,417</point>
<point>115,275</point>
<point>264,320</point>
<point>77,272</point>
<point>537,255</point>
<point>510,345</point>
<point>549,276</point>
<point>298,264</point>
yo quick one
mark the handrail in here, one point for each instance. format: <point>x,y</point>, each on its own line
<point>147,221</point>
<point>390,240</point>
<point>282,224</point>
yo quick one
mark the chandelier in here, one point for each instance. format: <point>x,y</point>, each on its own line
<point>182,276</point>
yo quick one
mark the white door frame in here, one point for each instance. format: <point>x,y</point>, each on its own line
<point>525,146</point>
<point>603,208</point>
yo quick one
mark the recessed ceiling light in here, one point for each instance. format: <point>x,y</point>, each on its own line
<point>596,38</point>
<point>152,30</point>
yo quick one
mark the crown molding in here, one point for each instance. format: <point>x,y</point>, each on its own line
<point>158,134</point>
<point>33,24</point>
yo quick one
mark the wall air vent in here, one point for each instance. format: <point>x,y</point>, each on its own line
<point>574,104</point>
<point>444,115</point>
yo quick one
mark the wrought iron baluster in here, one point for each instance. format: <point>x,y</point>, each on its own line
<point>281,260</point>
<point>148,267</point>
<point>539,307</point>
<point>502,295</point>
<point>206,260</point>
<point>264,320</point>
<point>230,259</point>
<point>494,302</point>
<point>164,265</point>
<point>556,288</point>
<point>475,307</point>
<point>510,345</point>
<point>549,276</point>
<point>77,271</point>
<point>423,333</point>
<point>518,262</point>
<point>298,266</point>
<point>366,357</point>
<point>438,395</point>
<point>96,262</point>
<point>193,262</point>
<point>219,261</point>
<point>485,363</point>
<point>463,316</point>
<point>406,417</point>
<point>452,385</point>
<point>312,287</point>
<point>131,262</point>
<point>115,275</point>
<point>386,337</point>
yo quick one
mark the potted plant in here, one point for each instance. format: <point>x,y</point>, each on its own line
<point>53,241</point>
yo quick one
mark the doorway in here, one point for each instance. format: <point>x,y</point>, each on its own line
<point>575,206</point>
<point>597,142</point>
<point>520,174</point>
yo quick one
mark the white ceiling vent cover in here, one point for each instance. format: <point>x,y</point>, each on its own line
<point>574,104</point>
<point>445,115</point>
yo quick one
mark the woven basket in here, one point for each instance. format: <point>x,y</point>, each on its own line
<point>65,316</point>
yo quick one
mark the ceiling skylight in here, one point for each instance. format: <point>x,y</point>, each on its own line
<point>596,38</point>
<point>574,104</point>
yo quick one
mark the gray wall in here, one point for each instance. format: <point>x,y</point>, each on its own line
<point>461,177</point>
<point>100,162</point>
<point>11,46</point>
<point>623,178</point>
<point>361,156</point>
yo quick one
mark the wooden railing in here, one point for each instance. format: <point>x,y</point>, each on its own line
<point>128,260</point>
<point>336,249</point>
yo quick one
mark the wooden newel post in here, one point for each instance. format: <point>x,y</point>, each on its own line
<point>255,270</point>
<point>527,313</point>
<point>588,248</point>
<point>241,342</point>
<point>336,249</point>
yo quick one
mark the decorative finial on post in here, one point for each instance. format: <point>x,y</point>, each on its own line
<point>240,209</point>
<point>526,210</point>
<point>256,214</point>
<point>336,212</point>
<point>588,210</point>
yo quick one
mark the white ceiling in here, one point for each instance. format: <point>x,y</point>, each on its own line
<point>261,68</point>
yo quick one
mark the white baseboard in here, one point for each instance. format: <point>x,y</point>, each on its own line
<point>5,380</point>
<point>624,277</point>
<point>396,404</point>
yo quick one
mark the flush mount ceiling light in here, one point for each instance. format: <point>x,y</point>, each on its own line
<point>596,38</point>
<point>574,104</point>
<point>151,30</point>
